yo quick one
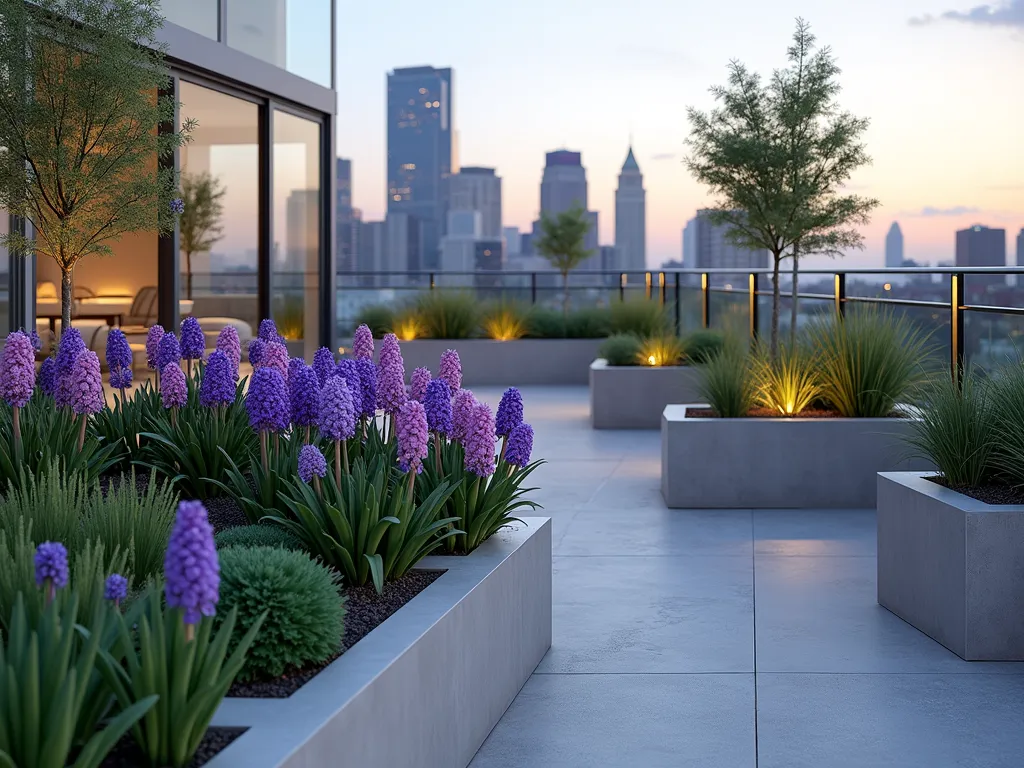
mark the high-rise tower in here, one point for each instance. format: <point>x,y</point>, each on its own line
<point>894,247</point>
<point>631,216</point>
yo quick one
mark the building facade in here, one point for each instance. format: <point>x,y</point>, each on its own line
<point>631,216</point>
<point>477,189</point>
<point>714,250</point>
<point>894,247</point>
<point>564,183</point>
<point>421,151</point>
<point>980,246</point>
<point>348,218</point>
<point>257,76</point>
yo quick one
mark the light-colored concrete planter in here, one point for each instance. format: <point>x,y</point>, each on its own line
<point>507,363</point>
<point>634,396</point>
<point>951,566</point>
<point>425,688</point>
<point>772,463</point>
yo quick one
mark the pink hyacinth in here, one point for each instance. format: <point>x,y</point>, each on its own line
<point>17,370</point>
<point>462,408</point>
<point>276,357</point>
<point>450,369</point>
<point>87,384</point>
<point>390,352</point>
<point>418,386</point>
<point>412,436</point>
<point>480,440</point>
<point>362,343</point>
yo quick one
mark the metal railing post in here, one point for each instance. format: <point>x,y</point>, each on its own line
<point>533,287</point>
<point>753,306</point>
<point>679,325</point>
<point>705,300</point>
<point>431,281</point>
<point>647,284</point>
<point>956,326</point>
<point>622,286</point>
<point>661,288</point>
<point>840,291</point>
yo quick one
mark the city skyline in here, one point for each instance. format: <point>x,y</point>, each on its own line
<point>908,82</point>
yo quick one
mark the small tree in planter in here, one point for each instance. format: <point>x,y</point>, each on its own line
<point>777,155</point>
<point>199,225</point>
<point>562,243</point>
<point>85,128</point>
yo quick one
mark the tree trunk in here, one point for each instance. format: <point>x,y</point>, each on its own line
<point>188,275</point>
<point>774,348</point>
<point>565,297</point>
<point>65,299</point>
<point>794,309</point>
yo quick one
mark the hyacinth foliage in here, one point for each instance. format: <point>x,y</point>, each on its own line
<point>370,529</point>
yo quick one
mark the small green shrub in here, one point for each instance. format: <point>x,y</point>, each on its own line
<point>728,384</point>
<point>643,317</point>
<point>588,323</point>
<point>701,346</point>
<point>305,612</point>
<point>448,314</point>
<point>661,351</point>
<point>1005,433</point>
<point>870,359</point>
<point>621,349</point>
<point>251,536</point>
<point>789,383</point>
<point>379,317</point>
<point>958,424</point>
<point>545,323</point>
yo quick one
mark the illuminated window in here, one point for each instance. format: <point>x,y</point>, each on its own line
<point>409,167</point>
<point>397,197</point>
<point>423,90</point>
<point>437,103</point>
<point>427,105</point>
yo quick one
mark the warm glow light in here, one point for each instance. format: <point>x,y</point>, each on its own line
<point>887,286</point>
<point>407,329</point>
<point>652,360</point>
<point>728,286</point>
<point>341,350</point>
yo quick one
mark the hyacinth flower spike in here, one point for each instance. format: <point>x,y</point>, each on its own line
<point>509,416</point>
<point>17,378</point>
<point>437,402</point>
<point>191,567</point>
<point>312,467</point>
<point>51,562</point>
<point>411,433</point>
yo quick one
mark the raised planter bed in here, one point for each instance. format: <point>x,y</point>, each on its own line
<point>634,396</point>
<point>425,688</point>
<point>952,567</point>
<point>774,463</point>
<point>507,363</point>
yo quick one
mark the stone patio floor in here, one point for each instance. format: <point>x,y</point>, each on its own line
<point>729,638</point>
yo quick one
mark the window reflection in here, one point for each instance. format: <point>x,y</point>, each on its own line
<point>291,34</point>
<point>218,233</point>
<point>198,15</point>
<point>295,282</point>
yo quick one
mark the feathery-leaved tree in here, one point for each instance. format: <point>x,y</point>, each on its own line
<point>81,113</point>
<point>776,157</point>
<point>562,243</point>
<point>199,226</point>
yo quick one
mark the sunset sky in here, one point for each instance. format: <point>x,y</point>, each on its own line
<point>940,81</point>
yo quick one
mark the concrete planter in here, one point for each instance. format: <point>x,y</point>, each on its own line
<point>633,397</point>
<point>507,363</point>
<point>952,567</point>
<point>710,463</point>
<point>425,688</point>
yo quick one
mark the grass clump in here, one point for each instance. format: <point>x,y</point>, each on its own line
<point>588,323</point>
<point>701,346</point>
<point>663,350</point>
<point>304,611</point>
<point>621,349</point>
<point>869,361</point>
<point>545,323</point>
<point>728,385</point>
<point>379,317</point>
<point>1005,428</point>
<point>408,325</point>
<point>251,536</point>
<point>505,322</point>
<point>789,383</point>
<point>640,317</point>
<point>447,314</point>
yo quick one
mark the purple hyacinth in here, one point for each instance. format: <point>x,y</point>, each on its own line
<point>267,400</point>
<point>37,343</point>
<point>119,359</point>
<point>193,342</point>
<point>510,412</point>
<point>337,415</point>
<point>348,369</point>
<point>368,382</point>
<point>17,370</point>
<point>177,206</point>
<point>173,387</point>
<point>520,445</point>
<point>276,356</point>
<point>231,346</point>
<point>218,384</point>
<point>51,563</point>
<point>48,376</point>
<point>362,343</point>
<point>153,336</point>
<point>115,588</point>
<point>303,394</point>
<point>412,436</point>
<point>480,441</point>
<point>462,411</point>
<point>418,383</point>
<point>71,346</point>
<point>311,463</point>
<point>390,352</point>
<point>437,402</point>
<point>450,369</point>
<point>86,387</point>
<point>268,332</point>
<point>191,569</point>
<point>323,365</point>
<point>391,382</point>
<point>257,349</point>
<point>168,353</point>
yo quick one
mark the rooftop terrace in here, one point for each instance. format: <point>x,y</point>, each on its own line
<point>727,638</point>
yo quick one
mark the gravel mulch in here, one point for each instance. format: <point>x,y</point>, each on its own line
<point>224,512</point>
<point>987,494</point>
<point>126,754</point>
<point>365,610</point>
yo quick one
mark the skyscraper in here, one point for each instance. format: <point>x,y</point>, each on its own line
<point>980,246</point>
<point>477,189</point>
<point>348,221</point>
<point>421,151</point>
<point>714,250</point>
<point>564,183</point>
<point>690,243</point>
<point>371,253</point>
<point>404,239</point>
<point>513,241</point>
<point>631,216</point>
<point>894,247</point>
<point>1020,248</point>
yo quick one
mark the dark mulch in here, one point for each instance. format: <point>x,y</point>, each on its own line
<point>126,754</point>
<point>224,512</point>
<point>365,610</point>
<point>114,480</point>
<point>768,413</point>
<point>987,494</point>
